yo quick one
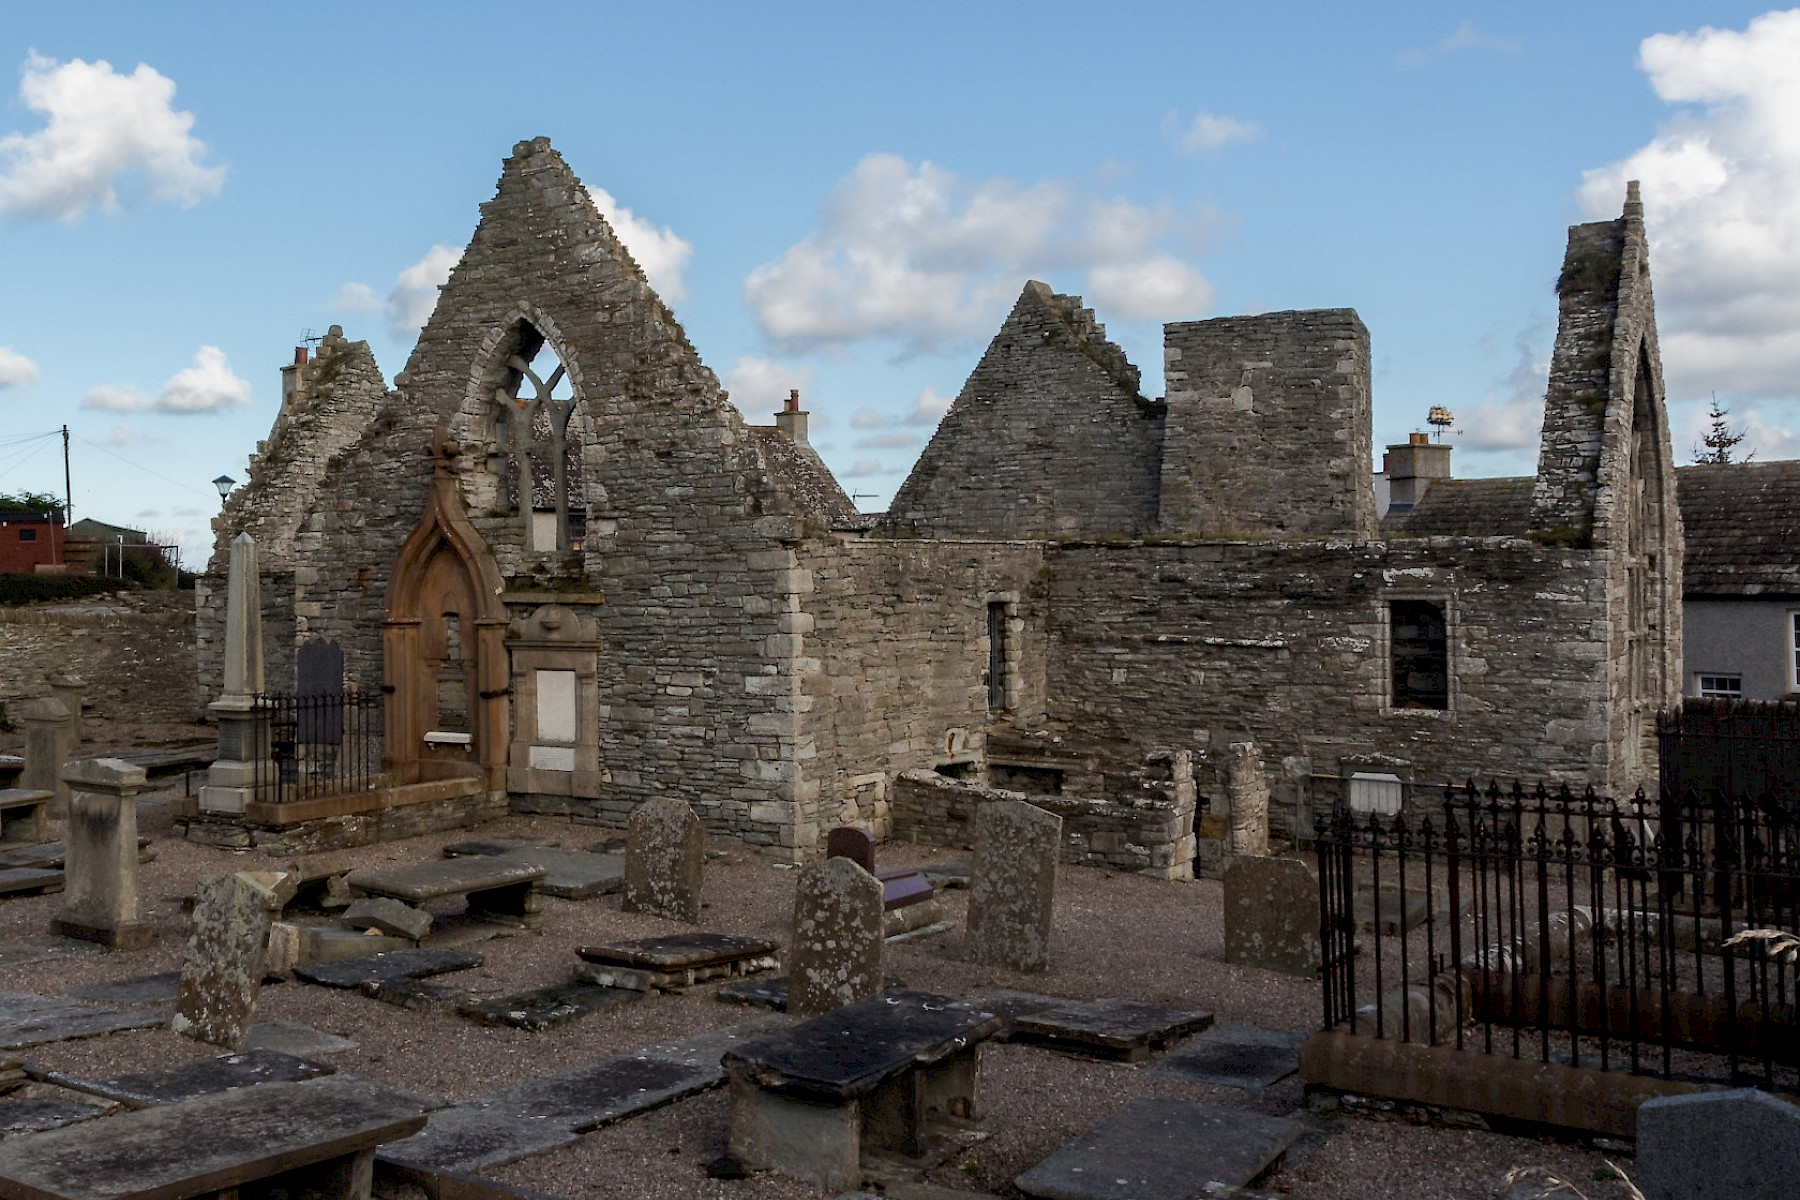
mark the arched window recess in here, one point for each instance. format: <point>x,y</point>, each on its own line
<point>531,414</point>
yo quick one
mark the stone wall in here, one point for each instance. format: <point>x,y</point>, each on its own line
<point>1049,437</point>
<point>134,649</point>
<point>1268,430</point>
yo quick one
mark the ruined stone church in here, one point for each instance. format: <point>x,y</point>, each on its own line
<point>580,579</point>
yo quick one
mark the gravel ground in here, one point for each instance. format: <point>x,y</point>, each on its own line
<point>1115,935</point>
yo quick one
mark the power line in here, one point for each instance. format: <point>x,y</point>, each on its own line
<point>141,467</point>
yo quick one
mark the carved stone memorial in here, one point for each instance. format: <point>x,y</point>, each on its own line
<point>1012,885</point>
<point>664,857</point>
<point>836,955</point>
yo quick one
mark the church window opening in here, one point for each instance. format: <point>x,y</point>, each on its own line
<point>997,673</point>
<point>533,408</point>
<point>1420,649</point>
<point>452,680</point>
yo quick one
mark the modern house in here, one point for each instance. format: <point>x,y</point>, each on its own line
<point>1741,592</point>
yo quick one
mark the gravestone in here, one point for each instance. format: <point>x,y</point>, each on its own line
<point>47,746</point>
<point>1248,791</point>
<point>243,731</point>
<point>1272,915</point>
<point>1012,885</point>
<point>664,856</point>
<point>222,970</point>
<point>319,675</point>
<point>854,842</point>
<point>1713,1145</point>
<point>836,953</point>
<point>100,869</point>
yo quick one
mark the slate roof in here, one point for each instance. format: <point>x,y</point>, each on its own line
<point>800,472</point>
<point>1743,528</point>
<point>1467,508</point>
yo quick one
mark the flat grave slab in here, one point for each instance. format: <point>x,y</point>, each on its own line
<point>1235,1056</point>
<point>678,961</point>
<point>545,1007</point>
<point>418,882</point>
<point>28,1020</point>
<point>1156,1148</point>
<point>466,1139</point>
<point>948,875</point>
<point>416,963</point>
<point>29,881</point>
<point>50,855</point>
<point>139,989</point>
<point>46,948</point>
<point>48,1112</point>
<point>706,1049</point>
<point>1121,1030</point>
<point>301,1041</point>
<point>602,1092</point>
<point>418,995</point>
<point>769,993</point>
<point>1009,1006</point>
<point>203,1077</point>
<point>569,874</point>
<point>206,1145</point>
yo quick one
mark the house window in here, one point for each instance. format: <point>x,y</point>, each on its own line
<point>28,535</point>
<point>1722,687</point>
<point>1419,648</point>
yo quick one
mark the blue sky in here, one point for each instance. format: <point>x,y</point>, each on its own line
<point>849,201</point>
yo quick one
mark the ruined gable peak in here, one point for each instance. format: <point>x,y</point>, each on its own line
<point>1053,313</point>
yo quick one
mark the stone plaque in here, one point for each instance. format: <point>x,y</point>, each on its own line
<point>1012,885</point>
<point>556,707</point>
<point>854,842</point>
<point>222,970</point>
<point>664,856</point>
<point>552,758</point>
<point>1272,915</point>
<point>838,938</point>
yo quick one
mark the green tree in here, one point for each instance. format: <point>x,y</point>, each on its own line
<point>30,502</point>
<point>1720,440</point>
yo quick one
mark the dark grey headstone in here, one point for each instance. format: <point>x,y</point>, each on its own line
<point>1113,1029</point>
<point>1162,1149</point>
<point>854,842</point>
<point>400,964</point>
<point>47,1112</point>
<point>140,989</point>
<point>204,1076</point>
<point>301,1041</point>
<point>319,671</point>
<point>1236,1056</point>
<point>1714,1145</point>
<point>603,1092</point>
<point>545,1007</point>
<point>28,1020</point>
<point>464,1139</point>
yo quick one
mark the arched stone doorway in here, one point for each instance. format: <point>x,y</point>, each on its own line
<point>443,645</point>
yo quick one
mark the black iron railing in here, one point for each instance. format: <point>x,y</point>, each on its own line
<point>1569,928</point>
<point>323,745</point>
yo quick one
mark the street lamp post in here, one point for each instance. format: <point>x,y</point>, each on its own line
<point>224,483</point>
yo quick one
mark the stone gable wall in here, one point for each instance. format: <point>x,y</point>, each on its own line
<point>1268,430</point>
<point>1048,438</point>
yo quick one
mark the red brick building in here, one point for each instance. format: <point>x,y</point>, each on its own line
<point>30,540</point>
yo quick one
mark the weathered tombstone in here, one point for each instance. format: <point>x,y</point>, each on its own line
<point>1272,914</point>
<point>664,857</point>
<point>1012,885</point>
<point>222,969</point>
<point>319,679</point>
<point>854,842</point>
<point>1248,791</point>
<point>100,897</point>
<point>1709,1145</point>
<point>47,745</point>
<point>243,733</point>
<point>836,955</point>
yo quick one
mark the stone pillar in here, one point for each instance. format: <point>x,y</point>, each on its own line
<point>839,940</point>
<point>69,689</point>
<point>243,737</point>
<point>100,871</point>
<point>1247,791</point>
<point>47,728</point>
<point>1012,885</point>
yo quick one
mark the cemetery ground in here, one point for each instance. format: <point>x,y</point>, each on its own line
<point>1114,935</point>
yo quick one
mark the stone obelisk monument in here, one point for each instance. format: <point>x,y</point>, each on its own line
<point>243,737</point>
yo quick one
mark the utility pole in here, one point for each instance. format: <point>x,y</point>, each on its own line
<point>68,493</point>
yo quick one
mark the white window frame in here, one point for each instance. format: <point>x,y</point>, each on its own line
<point>1718,689</point>
<point>1793,650</point>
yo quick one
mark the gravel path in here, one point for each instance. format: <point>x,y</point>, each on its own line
<point>1115,935</point>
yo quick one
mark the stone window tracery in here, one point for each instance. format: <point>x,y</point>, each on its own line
<point>539,445</point>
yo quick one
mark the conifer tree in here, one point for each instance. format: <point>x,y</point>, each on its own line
<point>1721,439</point>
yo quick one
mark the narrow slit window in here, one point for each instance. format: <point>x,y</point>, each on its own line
<point>997,648</point>
<point>1421,655</point>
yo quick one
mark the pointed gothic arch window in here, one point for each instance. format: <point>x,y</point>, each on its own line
<point>535,427</point>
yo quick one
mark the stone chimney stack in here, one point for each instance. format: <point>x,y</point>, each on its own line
<point>791,420</point>
<point>294,377</point>
<point>1411,468</point>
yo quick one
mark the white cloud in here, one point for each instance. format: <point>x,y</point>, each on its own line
<point>1209,131</point>
<point>912,253</point>
<point>867,418</point>
<point>929,408</point>
<point>761,385</point>
<point>1719,187</point>
<point>864,468</point>
<point>119,435</point>
<point>102,130</point>
<point>15,368</point>
<point>658,249</point>
<point>1466,37</point>
<point>893,439</point>
<point>1159,288</point>
<point>1510,415</point>
<point>415,292</point>
<point>208,386</point>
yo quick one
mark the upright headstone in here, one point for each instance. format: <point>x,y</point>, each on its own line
<point>243,735</point>
<point>665,854</point>
<point>100,870</point>
<point>854,842</point>
<point>1012,885</point>
<point>1272,914</point>
<point>222,969</point>
<point>47,729</point>
<point>1713,1145</point>
<point>1248,791</point>
<point>319,679</point>
<point>836,956</point>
